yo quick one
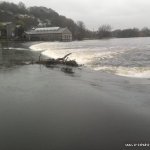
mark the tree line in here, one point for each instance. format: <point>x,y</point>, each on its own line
<point>105,31</point>
<point>26,18</point>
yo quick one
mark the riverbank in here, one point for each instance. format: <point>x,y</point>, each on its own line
<point>47,108</point>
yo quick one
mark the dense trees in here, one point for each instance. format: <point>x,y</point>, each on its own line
<point>134,32</point>
<point>104,31</point>
<point>126,33</point>
<point>145,32</point>
<point>81,30</point>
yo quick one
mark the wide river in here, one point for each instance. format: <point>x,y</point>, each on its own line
<point>126,57</point>
<point>102,105</point>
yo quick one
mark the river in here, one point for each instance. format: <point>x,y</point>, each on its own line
<point>102,105</point>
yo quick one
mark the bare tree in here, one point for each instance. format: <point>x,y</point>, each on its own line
<point>104,31</point>
<point>81,30</point>
<point>21,5</point>
<point>145,31</point>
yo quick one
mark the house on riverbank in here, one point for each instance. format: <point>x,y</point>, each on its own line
<point>7,30</point>
<point>49,34</point>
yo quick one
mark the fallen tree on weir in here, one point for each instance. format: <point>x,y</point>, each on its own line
<point>59,61</point>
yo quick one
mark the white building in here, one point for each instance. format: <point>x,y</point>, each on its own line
<point>7,30</point>
<point>49,34</point>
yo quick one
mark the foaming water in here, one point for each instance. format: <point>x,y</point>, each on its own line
<point>135,72</point>
<point>124,57</point>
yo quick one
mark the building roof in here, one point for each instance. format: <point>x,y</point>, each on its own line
<point>47,30</point>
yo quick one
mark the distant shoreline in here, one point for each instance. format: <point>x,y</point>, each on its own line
<point>85,39</point>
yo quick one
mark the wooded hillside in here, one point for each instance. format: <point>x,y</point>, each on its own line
<point>35,16</point>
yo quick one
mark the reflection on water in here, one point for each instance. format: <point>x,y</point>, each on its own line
<point>12,54</point>
<point>67,70</point>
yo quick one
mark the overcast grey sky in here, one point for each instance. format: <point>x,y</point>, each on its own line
<point>117,13</point>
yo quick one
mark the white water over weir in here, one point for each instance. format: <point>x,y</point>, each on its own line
<point>124,57</point>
